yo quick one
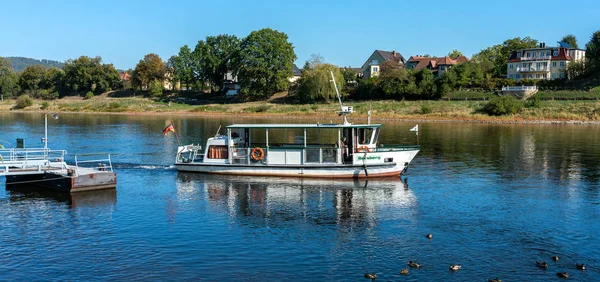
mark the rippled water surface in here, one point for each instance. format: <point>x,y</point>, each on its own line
<point>495,197</point>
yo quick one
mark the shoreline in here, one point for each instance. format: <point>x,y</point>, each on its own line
<point>485,120</point>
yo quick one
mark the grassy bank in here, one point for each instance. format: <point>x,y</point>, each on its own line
<point>557,110</point>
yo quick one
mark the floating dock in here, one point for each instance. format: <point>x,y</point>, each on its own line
<point>47,168</point>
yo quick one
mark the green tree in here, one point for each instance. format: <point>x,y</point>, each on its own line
<point>455,54</point>
<point>86,74</point>
<point>571,39</point>
<point>8,79</point>
<point>315,84</point>
<point>498,54</point>
<point>149,69</point>
<point>425,83</point>
<point>592,53</point>
<point>265,63</point>
<point>183,66</point>
<point>31,78</point>
<point>217,57</point>
<point>349,74</point>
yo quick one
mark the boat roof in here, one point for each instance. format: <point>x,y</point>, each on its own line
<point>299,125</point>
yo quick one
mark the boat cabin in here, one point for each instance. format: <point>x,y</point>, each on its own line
<point>291,144</point>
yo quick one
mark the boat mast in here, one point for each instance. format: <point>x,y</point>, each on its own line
<point>343,110</point>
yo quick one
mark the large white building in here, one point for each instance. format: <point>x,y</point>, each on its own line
<point>542,62</point>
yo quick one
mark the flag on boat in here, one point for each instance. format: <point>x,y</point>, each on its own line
<point>416,128</point>
<point>168,129</point>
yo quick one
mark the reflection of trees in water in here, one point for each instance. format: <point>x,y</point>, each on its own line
<point>277,202</point>
<point>518,151</point>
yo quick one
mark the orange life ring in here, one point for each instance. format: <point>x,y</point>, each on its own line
<point>257,154</point>
<point>363,149</point>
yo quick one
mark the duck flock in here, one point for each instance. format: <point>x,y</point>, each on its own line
<point>457,267</point>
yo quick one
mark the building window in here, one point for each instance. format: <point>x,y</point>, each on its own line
<point>518,54</point>
<point>548,54</point>
<point>554,53</point>
<point>510,76</point>
<point>510,66</point>
<point>518,76</point>
<point>553,76</point>
<point>528,54</point>
<point>553,64</point>
<point>545,75</point>
<point>537,75</point>
<point>530,76</point>
<point>562,64</point>
<point>524,65</point>
<point>375,69</point>
<point>375,62</point>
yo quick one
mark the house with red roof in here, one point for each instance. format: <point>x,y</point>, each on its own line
<point>437,65</point>
<point>542,62</point>
<point>124,76</point>
<point>372,67</point>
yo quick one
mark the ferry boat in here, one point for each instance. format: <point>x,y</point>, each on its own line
<point>298,150</point>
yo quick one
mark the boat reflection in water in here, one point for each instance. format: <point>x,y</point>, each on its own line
<point>88,199</point>
<point>280,200</point>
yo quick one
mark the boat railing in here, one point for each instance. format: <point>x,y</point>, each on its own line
<point>189,153</point>
<point>285,155</point>
<point>95,161</point>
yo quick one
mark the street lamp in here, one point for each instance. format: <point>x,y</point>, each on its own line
<point>45,140</point>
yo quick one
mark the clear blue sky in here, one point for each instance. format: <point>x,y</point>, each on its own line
<point>345,33</point>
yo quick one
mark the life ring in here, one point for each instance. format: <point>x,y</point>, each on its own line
<point>257,154</point>
<point>363,149</point>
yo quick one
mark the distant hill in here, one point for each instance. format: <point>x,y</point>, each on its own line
<point>20,63</point>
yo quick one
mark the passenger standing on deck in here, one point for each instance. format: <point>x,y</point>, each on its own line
<point>344,146</point>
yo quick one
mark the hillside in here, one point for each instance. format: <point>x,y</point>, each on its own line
<point>20,63</point>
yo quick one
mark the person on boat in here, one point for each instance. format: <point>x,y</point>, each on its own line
<point>344,145</point>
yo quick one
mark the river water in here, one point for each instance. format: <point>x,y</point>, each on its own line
<point>497,198</point>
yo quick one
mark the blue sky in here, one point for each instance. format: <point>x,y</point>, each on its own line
<point>345,33</point>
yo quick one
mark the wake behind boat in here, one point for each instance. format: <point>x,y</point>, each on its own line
<point>298,150</point>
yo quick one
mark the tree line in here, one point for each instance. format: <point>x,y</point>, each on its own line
<point>262,63</point>
<point>80,76</point>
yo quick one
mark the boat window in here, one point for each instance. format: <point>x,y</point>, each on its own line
<point>217,152</point>
<point>322,137</point>
<point>280,137</point>
<point>364,135</point>
<point>375,136</point>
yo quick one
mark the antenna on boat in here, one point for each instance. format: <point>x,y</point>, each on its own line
<point>344,110</point>
<point>218,130</point>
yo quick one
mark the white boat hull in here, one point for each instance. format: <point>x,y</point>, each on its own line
<point>368,169</point>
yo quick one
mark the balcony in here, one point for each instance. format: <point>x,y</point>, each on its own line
<point>533,69</point>
<point>538,58</point>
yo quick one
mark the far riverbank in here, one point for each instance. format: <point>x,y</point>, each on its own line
<point>551,112</point>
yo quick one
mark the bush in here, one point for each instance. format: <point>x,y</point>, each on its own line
<point>89,95</point>
<point>426,109</point>
<point>533,102</point>
<point>23,101</point>
<point>44,105</point>
<point>503,105</point>
<point>155,88</point>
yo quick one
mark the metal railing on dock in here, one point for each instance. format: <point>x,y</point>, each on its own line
<point>93,161</point>
<point>30,161</point>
